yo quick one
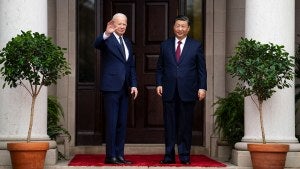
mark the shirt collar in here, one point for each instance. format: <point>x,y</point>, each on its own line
<point>182,41</point>
<point>117,36</point>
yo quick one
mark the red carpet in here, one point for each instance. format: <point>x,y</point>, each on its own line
<point>143,160</point>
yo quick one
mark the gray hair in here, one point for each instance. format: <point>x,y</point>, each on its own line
<point>119,15</point>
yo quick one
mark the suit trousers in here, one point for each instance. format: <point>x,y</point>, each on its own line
<point>116,108</point>
<point>178,122</point>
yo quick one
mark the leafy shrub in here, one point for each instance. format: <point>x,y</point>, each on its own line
<point>229,115</point>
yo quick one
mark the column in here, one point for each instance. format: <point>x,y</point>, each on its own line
<point>271,21</point>
<point>17,15</point>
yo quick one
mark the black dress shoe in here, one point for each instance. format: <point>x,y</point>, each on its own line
<point>123,161</point>
<point>167,161</point>
<point>112,160</point>
<point>185,162</point>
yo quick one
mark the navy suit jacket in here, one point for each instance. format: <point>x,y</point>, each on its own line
<point>115,70</point>
<point>187,76</point>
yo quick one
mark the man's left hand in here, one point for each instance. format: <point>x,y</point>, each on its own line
<point>201,94</point>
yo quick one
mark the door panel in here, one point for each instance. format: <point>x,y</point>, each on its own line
<point>88,116</point>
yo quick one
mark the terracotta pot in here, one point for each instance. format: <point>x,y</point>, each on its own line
<point>266,156</point>
<point>28,155</point>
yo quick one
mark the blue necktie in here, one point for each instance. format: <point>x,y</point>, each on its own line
<point>122,46</point>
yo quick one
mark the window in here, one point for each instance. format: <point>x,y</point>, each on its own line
<point>194,10</point>
<point>85,38</point>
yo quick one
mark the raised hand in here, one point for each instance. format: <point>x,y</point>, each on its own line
<point>110,28</point>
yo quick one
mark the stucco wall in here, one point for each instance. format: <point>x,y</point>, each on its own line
<point>62,28</point>
<point>235,29</point>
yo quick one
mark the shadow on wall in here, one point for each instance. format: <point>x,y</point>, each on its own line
<point>297,90</point>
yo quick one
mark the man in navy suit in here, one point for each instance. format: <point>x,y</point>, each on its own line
<point>118,74</point>
<point>181,81</point>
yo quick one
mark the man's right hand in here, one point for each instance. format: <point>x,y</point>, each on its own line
<point>159,90</point>
<point>110,28</point>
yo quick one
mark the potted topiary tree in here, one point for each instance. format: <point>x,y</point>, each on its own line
<point>261,68</point>
<point>31,60</point>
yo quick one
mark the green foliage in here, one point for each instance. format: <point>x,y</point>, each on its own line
<point>55,112</point>
<point>32,57</point>
<point>229,115</point>
<point>54,128</point>
<point>262,67</point>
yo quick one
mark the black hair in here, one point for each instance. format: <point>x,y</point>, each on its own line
<point>182,18</point>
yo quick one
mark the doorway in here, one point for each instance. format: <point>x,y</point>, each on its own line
<point>149,23</point>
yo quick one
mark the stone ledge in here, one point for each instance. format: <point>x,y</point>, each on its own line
<point>243,159</point>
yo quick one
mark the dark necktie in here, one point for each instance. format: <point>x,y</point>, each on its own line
<point>178,51</point>
<point>123,47</point>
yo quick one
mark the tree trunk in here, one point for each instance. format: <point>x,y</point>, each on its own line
<point>33,98</point>
<point>260,104</point>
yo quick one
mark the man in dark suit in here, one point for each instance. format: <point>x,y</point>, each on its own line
<point>181,81</point>
<point>118,74</point>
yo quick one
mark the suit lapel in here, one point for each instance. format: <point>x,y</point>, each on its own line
<point>172,49</point>
<point>116,44</point>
